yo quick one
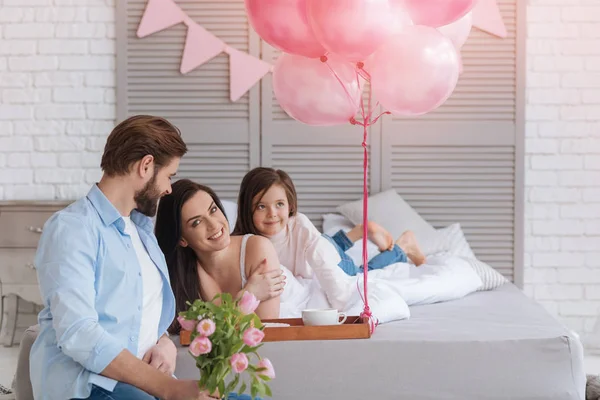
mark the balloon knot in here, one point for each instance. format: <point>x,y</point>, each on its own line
<point>323,58</point>
<point>353,121</point>
<point>360,65</point>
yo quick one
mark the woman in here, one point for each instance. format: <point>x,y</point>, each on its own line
<point>204,260</point>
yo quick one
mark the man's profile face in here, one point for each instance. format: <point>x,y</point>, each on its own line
<point>146,199</point>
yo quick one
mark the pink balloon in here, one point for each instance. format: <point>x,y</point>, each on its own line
<point>352,29</point>
<point>309,91</point>
<point>415,72</point>
<point>459,30</point>
<point>437,13</point>
<point>284,25</point>
<point>401,20</point>
<point>400,17</point>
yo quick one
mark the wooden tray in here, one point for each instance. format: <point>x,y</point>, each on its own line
<point>353,328</point>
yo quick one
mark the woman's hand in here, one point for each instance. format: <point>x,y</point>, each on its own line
<point>265,284</point>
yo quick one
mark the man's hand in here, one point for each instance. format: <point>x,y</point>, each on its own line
<point>162,356</point>
<point>187,390</point>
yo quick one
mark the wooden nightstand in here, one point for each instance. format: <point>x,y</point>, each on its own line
<point>21,224</point>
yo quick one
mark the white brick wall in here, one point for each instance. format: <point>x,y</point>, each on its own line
<point>57,95</point>
<point>563,161</point>
<point>57,83</point>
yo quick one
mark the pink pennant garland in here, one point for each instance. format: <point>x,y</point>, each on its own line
<point>244,72</point>
<point>487,17</point>
<point>159,15</point>
<point>200,46</point>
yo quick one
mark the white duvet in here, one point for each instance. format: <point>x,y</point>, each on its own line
<point>391,289</point>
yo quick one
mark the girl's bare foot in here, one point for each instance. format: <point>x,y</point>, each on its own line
<point>408,243</point>
<point>380,236</point>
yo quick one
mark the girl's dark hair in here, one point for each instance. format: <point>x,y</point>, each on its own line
<point>257,182</point>
<point>181,261</point>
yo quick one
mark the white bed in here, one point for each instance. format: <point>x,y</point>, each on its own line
<point>462,332</point>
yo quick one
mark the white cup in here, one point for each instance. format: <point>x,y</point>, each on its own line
<point>319,317</point>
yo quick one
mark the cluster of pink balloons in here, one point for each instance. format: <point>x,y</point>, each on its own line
<point>408,49</point>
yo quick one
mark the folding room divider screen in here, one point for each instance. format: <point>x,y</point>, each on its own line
<point>462,163</point>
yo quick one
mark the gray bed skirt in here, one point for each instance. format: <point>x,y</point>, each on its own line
<point>489,345</point>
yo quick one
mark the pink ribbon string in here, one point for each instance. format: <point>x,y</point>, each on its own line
<point>365,123</point>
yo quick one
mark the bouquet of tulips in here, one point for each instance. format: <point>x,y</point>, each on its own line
<point>225,336</point>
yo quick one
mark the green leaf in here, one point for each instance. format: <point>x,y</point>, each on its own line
<point>253,390</point>
<point>260,387</point>
<point>203,380</point>
<point>211,385</point>
<point>227,298</point>
<point>234,383</point>
<point>243,388</point>
<point>222,348</point>
<point>222,388</point>
<point>268,391</point>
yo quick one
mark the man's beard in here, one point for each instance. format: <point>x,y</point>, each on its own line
<point>146,199</point>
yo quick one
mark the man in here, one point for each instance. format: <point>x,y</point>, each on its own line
<point>104,281</point>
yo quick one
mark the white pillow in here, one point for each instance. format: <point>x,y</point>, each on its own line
<point>389,210</point>
<point>332,223</point>
<point>451,240</point>
<point>230,212</point>
<point>490,278</point>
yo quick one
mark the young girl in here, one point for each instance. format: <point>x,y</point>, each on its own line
<point>268,206</point>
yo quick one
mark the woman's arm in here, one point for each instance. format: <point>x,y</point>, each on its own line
<point>258,249</point>
<point>262,283</point>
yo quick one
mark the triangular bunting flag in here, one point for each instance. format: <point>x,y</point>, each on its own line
<point>244,71</point>
<point>200,46</point>
<point>487,17</point>
<point>159,15</point>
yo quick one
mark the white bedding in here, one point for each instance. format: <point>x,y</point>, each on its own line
<point>391,290</point>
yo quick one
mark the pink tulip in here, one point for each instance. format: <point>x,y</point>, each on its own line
<point>269,370</point>
<point>206,327</point>
<point>239,362</point>
<point>200,345</point>
<point>253,337</point>
<point>248,303</point>
<point>186,324</point>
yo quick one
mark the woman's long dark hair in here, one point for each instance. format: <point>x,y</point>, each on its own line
<point>256,182</point>
<point>181,261</point>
